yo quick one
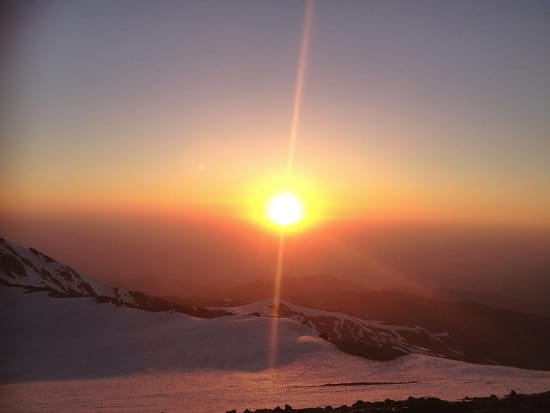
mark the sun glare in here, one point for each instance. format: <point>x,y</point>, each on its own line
<point>285,209</point>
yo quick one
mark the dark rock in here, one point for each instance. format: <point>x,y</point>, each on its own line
<point>41,255</point>
<point>65,274</point>
<point>88,288</point>
<point>45,274</point>
<point>512,403</point>
<point>11,265</point>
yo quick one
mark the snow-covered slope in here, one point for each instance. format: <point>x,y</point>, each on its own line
<point>50,338</point>
<point>30,268</point>
<point>369,339</point>
<point>73,354</point>
<point>33,270</point>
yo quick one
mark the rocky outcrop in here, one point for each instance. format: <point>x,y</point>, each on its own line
<point>36,271</point>
<point>513,403</point>
<point>369,339</point>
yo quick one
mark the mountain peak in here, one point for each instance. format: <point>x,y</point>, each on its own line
<point>35,271</point>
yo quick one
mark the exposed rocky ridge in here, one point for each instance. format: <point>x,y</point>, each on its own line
<point>372,339</point>
<point>513,403</point>
<point>369,339</point>
<point>36,271</point>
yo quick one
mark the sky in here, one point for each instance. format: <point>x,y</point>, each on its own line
<point>413,112</point>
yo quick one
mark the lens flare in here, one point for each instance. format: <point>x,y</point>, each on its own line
<point>286,210</point>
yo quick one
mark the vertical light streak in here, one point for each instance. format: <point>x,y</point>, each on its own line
<point>298,93</point>
<point>300,78</point>
<point>276,300</point>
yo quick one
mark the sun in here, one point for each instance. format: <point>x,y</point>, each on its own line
<point>285,209</point>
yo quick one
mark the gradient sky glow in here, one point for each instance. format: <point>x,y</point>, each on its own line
<point>412,110</point>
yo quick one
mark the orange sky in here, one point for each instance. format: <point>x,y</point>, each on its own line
<point>394,114</point>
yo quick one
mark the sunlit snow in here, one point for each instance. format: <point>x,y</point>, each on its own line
<point>67,354</point>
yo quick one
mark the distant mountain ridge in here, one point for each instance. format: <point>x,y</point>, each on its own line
<point>484,334</point>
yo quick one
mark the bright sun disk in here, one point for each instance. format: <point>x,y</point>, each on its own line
<point>285,209</point>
